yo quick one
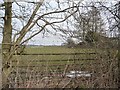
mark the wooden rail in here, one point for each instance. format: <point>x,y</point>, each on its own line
<point>59,60</point>
<point>54,53</point>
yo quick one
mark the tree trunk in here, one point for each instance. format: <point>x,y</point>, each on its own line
<point>6,42</point>
<point>119,42</point>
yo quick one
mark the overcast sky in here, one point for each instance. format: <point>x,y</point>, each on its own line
<point>49,39</point>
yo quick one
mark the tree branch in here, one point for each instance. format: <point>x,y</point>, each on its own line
<point>30,24</point>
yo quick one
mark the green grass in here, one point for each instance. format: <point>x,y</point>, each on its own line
<point>55,49</point>
<point>53,61</point>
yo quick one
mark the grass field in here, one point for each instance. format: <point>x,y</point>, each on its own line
<point>55,49</point>
<point>39,62</point>
<point>38,58</point>
<point>65,57</point>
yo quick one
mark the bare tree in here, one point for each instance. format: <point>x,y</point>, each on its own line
<point>110,14</point>
<point>29,19</point>
<point>34,18</point>
<point>88,20</point>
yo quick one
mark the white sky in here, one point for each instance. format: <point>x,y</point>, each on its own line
<point>50,39</point>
